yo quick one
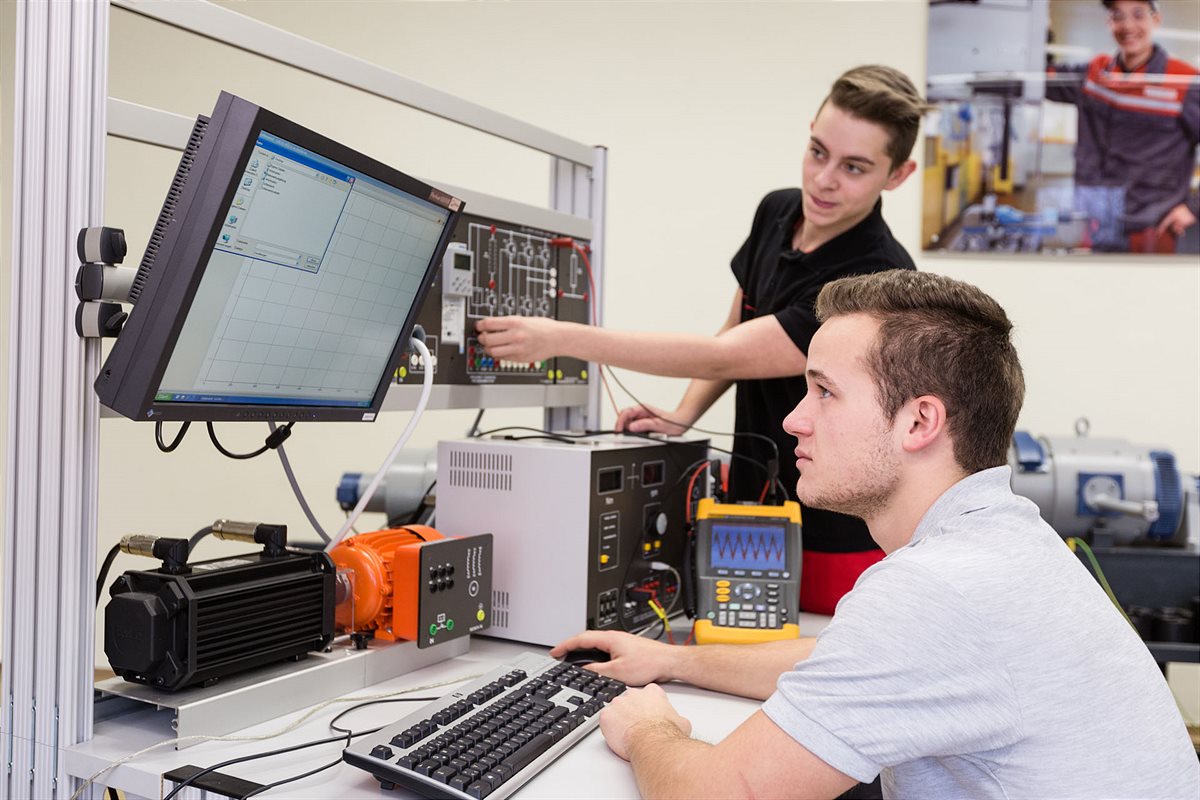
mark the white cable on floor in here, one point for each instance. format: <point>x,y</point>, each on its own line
<point>381,473</point>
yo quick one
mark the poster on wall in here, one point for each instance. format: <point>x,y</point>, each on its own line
<point>1063,126</point>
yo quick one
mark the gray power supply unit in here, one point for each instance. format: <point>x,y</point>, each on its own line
<point>576,525</point>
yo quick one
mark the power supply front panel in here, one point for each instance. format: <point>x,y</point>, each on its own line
<point>637,499</point>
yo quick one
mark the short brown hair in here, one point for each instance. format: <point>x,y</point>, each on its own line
<point>1152,3</point>
<point>887,97</point>
<point>941,337</point>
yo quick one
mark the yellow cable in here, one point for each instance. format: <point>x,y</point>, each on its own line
<point>1072,543</point>
<point>657,608</point>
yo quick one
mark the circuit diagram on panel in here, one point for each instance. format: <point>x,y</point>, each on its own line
<point>496,269</point>
<point>515,274</point>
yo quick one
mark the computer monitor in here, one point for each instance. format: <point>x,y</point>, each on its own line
<point>281,281</point>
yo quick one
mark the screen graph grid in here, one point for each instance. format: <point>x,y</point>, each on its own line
<point>748,547</point>
<point>327,333</point>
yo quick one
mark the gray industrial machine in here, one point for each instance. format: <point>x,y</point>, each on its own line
<point>1141,516</point>
<point>1112,489</point>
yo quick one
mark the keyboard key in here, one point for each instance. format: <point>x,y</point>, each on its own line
<point>531,750</point>
<point>382,751</point>
<point>480,789</point>
<point>444,774</point>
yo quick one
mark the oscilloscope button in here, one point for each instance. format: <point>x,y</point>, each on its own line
<point>721,584</point>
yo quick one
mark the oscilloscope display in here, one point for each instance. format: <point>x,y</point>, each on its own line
<point>755,547</point>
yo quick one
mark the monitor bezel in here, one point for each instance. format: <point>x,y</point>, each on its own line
<point>132,374</point>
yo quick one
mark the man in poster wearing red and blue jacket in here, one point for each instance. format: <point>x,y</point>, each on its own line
<point>1139,124</point>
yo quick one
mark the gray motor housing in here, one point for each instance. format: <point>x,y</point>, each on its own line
<point>1080,483</point>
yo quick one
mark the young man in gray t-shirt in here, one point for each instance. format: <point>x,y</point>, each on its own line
<point>979,658</point>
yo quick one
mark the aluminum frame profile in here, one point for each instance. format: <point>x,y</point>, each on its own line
<point>237,30</point>
<point>575,189</point>
<point>60,83</point>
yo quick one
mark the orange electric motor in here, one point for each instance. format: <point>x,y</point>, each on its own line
<point>413,583</point>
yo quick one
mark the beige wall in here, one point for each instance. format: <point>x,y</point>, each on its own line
<point>704,108</point>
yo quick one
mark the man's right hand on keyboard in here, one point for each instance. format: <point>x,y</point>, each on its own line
<point>633,660</point>
<point>749,670</point>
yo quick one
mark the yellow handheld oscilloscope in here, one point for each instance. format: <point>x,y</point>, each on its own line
<point>747,572</point>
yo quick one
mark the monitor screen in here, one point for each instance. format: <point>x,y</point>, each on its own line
<point>747,546</point>
<point>284,283</point>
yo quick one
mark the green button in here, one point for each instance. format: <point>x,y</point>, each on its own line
<point>712,615</point>
<point>449,624</point>
<point>433,630</point>
<point>479,615</point>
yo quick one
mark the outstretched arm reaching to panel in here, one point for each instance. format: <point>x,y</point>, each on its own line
<point>758,348</point>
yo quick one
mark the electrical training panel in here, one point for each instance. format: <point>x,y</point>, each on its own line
<point>495,268</point>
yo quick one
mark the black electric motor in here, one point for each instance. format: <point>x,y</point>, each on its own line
<point>187,624</point>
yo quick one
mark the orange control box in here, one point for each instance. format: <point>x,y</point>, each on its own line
<point>414,584</point>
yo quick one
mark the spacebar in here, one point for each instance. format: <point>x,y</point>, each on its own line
<point>520,759</point>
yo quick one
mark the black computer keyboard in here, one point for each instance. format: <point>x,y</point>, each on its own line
<point>492,735</point>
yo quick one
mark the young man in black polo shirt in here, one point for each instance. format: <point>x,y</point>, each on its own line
<point>860,146</point>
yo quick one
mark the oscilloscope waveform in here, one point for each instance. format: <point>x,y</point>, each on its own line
<point>759,545</point>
